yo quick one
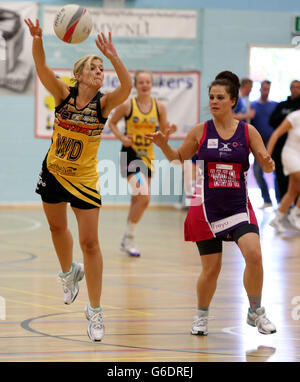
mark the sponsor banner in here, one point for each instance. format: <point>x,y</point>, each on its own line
<point>149,23</point>
<point>179,91</point>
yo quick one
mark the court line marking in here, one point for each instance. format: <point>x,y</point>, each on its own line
<point>31,256</point>
<point>56,298</point>
<point>229,330</point>
<point>29,293</point>
<point>26,325</point>
<point>36,305</point>
<point>35,224</point>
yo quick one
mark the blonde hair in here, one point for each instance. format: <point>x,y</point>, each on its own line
<point>139,72</point>
<point>79,65</point>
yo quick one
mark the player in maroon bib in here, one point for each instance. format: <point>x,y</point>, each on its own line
<point>220,208</point>
<point>221,201</point>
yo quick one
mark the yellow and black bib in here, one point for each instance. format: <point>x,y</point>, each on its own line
<point>72,157</point>
<point>139,124</point>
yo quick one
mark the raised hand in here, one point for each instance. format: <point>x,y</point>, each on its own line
<point>35,30</point>
<point>106,47</point>
<point>159,138</point>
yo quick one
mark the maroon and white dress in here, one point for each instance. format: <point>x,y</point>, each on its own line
<point>220,202</point>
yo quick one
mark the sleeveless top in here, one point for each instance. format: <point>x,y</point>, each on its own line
<point>72,157</point>
<point>138,124</point>
<point>220,202</point>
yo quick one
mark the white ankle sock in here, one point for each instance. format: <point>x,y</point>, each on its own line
<point>279,215</point>
<point>131,228</point>
<point>70,271</point>
<point>95,309</point>
<point>295,211</point>
<point>202,312</point>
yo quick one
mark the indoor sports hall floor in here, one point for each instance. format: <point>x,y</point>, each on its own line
<point>149,302</point>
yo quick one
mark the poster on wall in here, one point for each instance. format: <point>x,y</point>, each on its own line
<point>180,92</point>
<point>16,63</point>
<point>153,39</point>
<point>153,23</point>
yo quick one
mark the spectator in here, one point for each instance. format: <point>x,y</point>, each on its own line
<point>242,110</point>
<point>263,109</point>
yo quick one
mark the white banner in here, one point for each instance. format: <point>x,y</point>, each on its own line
<point>150,23</point>
<point>179,91</point>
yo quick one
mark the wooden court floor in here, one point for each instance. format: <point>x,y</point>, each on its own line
<point>149,302</point>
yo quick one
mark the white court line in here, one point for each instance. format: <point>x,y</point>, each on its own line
<point>232,330</point>
<point>34,224</point>
<point>2,308</point>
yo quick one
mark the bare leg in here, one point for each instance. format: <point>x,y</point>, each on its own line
<point>291,194</point>
<point>253,275</point>
<point>93,264</point>
<point>207,281</point>
<point>140,198</point>
<point>61,236</point>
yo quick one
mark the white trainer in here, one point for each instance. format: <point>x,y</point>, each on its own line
<point>95,328</point>
<point>199,326</point>
<point>294,220</point>
<point>278,224</point>
<point>70,282</point>
<point>128,245</point>
<point>260,320</point>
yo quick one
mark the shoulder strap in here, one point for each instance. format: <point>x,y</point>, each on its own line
<point>98,106</point>
<point>246,133</point>
<point>131,109</point>
<point>72,94</point>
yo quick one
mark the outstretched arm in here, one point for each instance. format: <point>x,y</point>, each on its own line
<point>185,151</point>
<point>56,87</point>
<point>119,113</point>
<point>164,124</point>
<point>283,128</point>
<point>259,150</point>
<point>122,92</point>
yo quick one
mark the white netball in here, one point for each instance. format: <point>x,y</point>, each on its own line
<point>73,24</point>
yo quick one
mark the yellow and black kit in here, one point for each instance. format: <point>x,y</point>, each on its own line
<point>69,172</point>
<point>140,155</point>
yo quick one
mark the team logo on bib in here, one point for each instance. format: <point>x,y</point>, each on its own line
<point>212,143</point>
<point>65,114</point>
<point>225,147</point>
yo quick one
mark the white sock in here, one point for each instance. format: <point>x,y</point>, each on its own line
<point>279,215</point>
<point>70,271</point>
<point>202,312</point>
<point>95,309</point>
<point>131,228</point>
<point>295,211</point>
